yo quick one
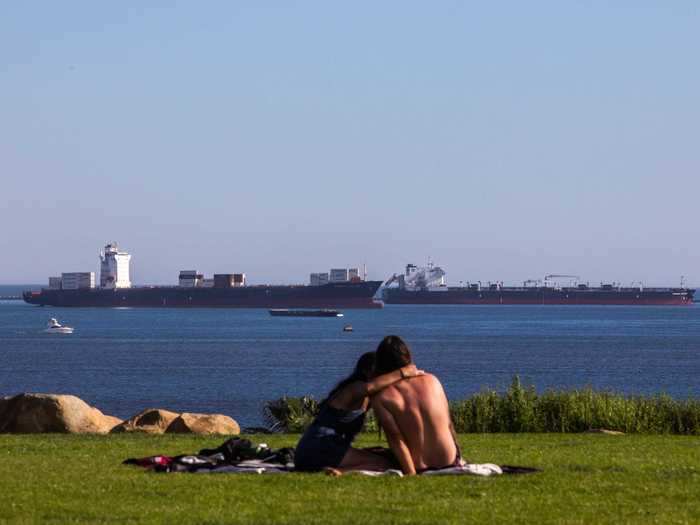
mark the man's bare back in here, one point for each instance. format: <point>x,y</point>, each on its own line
<point>415,416</point>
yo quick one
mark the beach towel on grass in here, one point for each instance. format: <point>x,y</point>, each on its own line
<point>239,456</point>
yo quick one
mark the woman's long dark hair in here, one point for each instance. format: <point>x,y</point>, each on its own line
<point>364,370</point>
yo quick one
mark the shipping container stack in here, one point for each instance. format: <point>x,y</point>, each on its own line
<point>223,280</point>
<point>190,278</point>
<point>77,280</point>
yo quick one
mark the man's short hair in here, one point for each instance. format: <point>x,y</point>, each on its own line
<point>392,354</point>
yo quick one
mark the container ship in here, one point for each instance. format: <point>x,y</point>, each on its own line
<point>339,288</point>
<point>426,285</point>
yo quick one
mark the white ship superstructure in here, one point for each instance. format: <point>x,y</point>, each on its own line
<point>431,278</point>
<point>114,267</point>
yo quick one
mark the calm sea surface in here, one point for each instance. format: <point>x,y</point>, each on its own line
<point>231,361</point>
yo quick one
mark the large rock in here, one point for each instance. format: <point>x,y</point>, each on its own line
<point>187,423</point>
<point>151,421</point>
<point>38,413</point>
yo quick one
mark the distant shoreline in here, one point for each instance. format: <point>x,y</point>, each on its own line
<point>13,292</point>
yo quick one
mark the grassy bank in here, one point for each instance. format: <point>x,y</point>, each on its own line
<point>586,479</point>
<point>521,409</point>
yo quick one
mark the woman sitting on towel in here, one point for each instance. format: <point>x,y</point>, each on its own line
<point>326,443</point>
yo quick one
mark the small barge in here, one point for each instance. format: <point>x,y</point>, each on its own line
<point>285,312</point>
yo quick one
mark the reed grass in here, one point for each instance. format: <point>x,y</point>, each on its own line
<point>522,409</point>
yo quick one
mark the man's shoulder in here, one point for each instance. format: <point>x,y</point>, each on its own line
<point>392,397</point>
<point>405,387</point>
<point>426,379</point>
<point>418,388</point>
<point>386,394</point>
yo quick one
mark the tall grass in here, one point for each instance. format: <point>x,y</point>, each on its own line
<point>521,409</point>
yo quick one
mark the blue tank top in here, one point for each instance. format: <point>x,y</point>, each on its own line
<point>331,421</point>
<point>328,438</point>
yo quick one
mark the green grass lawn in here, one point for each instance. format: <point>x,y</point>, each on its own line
<point>586,479</point>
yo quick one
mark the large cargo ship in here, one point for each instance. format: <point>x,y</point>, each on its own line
<point>426,285</point>
<point>340,288</point>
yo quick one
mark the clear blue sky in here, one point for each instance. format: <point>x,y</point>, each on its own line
<point>505,140</point>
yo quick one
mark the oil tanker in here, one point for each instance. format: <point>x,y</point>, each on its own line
<point>339,288</point>
<point>426,285</point>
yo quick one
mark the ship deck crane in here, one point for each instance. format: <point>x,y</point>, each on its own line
<point>559,276</point>
<point>391,280</point>
<point>548,278</point>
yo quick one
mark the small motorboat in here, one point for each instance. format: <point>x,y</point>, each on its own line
<point>54,327</point>
<point>347,328</point>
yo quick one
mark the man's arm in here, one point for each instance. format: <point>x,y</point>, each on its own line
<point>381,382</point>
<point>397,443</point>
<point>361,389</point>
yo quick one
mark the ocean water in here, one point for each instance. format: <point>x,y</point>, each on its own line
<point>232,361</point>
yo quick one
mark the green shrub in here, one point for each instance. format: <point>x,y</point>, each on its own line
<point>295,414</point>
<point>290,414</point>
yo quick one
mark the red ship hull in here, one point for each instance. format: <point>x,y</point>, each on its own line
<point>635,297</point>
<point>334,295</point>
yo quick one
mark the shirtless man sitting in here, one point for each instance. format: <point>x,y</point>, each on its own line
<point>414,414</point>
